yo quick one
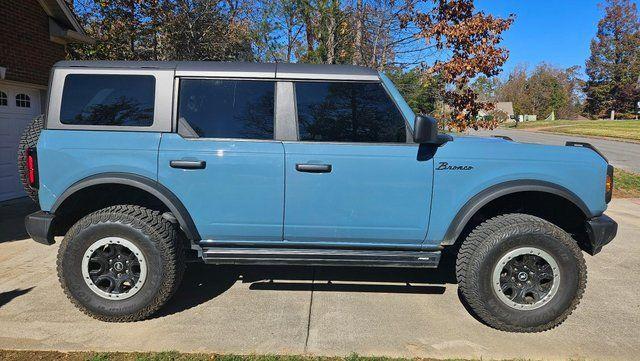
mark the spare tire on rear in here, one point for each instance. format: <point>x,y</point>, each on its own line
<point>28,141</point>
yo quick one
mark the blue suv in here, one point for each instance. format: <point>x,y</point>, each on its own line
<point>142,166</point>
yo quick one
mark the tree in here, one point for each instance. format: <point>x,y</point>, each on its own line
<point>613,68</point>
<point>515,90</point>
<point>472,38</point>
<point>400,35</point>
<point>165,30</point>
<point>421,92</point>
<point>548,89</point>
<point>486,88</point>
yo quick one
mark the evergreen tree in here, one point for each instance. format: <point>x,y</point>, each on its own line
<point>614,65</point>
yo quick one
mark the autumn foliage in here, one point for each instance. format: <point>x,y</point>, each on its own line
<point>447,42</point>
<point>472,39</point>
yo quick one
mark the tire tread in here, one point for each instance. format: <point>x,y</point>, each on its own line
<point>468,262</point>
<point>160,230</point>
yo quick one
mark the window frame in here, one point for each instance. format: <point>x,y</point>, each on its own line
<point>408,128</point>
<point>26,99</point>
<point>176,104</point>
<point>162,108</point>
<point>4,98</point>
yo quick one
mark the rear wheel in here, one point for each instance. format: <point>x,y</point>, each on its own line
<point>121,263</point>
<point>520,273</point>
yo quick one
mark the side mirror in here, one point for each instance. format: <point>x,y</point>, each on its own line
<point>425,131</point>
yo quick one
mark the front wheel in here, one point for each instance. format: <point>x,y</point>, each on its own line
<point>520,273</point>
<point>121,263</point>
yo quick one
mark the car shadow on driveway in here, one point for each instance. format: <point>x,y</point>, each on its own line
<point>12,215</point>
<point>202,283</point>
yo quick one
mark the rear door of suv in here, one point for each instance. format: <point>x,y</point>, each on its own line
<point>223,163</point>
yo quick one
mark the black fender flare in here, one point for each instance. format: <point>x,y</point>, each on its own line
<point>501,189</point>
<point>151,186</point>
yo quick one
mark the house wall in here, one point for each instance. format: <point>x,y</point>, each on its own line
<point>26,50</point>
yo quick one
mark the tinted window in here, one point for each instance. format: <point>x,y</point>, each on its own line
<point>125,100</point>
<point>212,108</point>
<point>348,112</point>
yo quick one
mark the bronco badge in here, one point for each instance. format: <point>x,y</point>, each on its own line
<point>446,166</point>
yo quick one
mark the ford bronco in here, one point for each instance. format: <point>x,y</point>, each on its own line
<point>143,166</point>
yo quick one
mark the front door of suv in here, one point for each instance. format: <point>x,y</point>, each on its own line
<point>353,178</point>
<point>224,164</point>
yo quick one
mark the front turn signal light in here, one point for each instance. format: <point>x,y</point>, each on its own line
<point>609,184</point>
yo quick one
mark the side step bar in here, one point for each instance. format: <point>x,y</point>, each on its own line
<point>319,257</point>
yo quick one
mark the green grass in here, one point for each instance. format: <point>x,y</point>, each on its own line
<point>626,184</point>
<point>622,129</point>
<point>8,355</point>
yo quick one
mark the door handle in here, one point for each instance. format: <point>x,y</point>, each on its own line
<point>314,168</point>
<point>188,164</point>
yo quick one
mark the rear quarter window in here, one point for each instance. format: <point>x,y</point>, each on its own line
<point>117,100</point>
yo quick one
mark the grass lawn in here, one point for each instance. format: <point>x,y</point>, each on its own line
<point>625,184</point>
<point>622,129</point>
<point>7,355</point>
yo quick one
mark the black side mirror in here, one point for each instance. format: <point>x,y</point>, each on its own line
<point>425,131</point>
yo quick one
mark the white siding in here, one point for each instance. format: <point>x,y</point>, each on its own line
<point>13,120</point>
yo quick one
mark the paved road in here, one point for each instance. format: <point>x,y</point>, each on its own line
<point>371,312</point>
<point>620,154</point>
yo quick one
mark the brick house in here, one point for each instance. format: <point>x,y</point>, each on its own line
<point>34,37</point>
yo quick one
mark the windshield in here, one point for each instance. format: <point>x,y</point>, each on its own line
<point>404,107</point>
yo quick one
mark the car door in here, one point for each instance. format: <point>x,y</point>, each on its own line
<point>353,177</point>
<point>223,163</point>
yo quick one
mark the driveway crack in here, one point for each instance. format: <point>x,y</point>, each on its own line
<point>313,281</point>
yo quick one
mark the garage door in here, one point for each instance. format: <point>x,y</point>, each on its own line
<point>18,106</point>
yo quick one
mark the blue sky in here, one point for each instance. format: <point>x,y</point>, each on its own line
<point>557,32</point>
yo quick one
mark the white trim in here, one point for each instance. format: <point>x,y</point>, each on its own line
<point>21,84</point>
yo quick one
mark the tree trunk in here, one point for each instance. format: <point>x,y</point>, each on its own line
<point>357,44</point>
<point>331,40</point>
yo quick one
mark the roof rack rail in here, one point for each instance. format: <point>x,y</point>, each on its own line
<point>586,145</point>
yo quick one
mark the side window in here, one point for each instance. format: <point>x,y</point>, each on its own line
<point>348,112</point>
<point>3,99</point>
<point>118,100</point>
<point>214,108</point>
<point>23,101</point>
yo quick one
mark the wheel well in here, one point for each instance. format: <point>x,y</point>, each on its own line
<point>95,197</point>
<point>550,207</point>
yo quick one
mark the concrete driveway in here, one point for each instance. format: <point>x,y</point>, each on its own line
<point>319,311</point>
<point>623,155</point>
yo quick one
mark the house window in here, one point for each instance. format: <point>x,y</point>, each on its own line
<point>23,101</point>
<point>3,99</point>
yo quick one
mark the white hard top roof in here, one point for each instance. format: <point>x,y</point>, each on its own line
<point>237,69</point>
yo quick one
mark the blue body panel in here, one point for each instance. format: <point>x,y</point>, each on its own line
<point>375,194</point>
<point>68,156</point>
<point>495,161</point>
<point>239,196</point>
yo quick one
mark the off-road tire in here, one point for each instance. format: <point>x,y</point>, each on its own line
<point>155,236</point>
<point>493,239</point>
<point>28,140</point>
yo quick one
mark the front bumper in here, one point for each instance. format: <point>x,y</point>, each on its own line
<point>38,226</point>
<point>601,230</point>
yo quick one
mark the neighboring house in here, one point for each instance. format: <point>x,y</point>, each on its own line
<point>505,108</point>
<point>34,37</point>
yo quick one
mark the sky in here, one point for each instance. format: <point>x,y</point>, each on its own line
<point>557,32</point>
